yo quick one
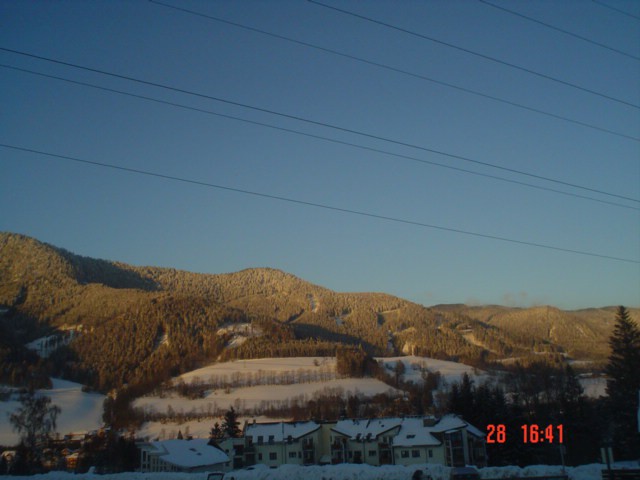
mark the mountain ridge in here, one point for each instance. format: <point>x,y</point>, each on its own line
<point>46,289</point>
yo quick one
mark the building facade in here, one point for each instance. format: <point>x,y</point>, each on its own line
<point>273,444</point>
<point>448,440</point>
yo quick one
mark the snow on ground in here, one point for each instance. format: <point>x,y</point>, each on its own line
<point>45,346</point>
<point>251,397</point>
<point>239,332</point>
<point>260,365</point>
<point>80,411</point>
<point>594,387</point>
<point>450,371</point>
<point>344,472</point>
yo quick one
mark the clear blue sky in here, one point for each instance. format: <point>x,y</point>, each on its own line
<point>142,220</point>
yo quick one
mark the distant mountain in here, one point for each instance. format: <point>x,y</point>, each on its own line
<point>140,325</point>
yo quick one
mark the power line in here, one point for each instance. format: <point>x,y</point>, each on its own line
<point>318,137</point>
<point>316,205</point>
<point>394,69</point>
<point>558,29</point>
<point>623,12</point>
<point>477,54</point>
<point>323,124</point>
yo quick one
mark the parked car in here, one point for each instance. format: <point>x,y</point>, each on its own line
<point>464,473</point>
<point>215,476</point>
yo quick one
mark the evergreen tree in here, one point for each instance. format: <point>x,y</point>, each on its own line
<point>216,433</point>
<point>230,424</point>
<point>623,384</point>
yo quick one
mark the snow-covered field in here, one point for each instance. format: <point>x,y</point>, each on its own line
<point>80,411</point>
<point>260,365</point>
<point>450,371</point>
<point>346,472</point>
<point>245,398</point>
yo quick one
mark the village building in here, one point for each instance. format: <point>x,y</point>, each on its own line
<point>188,456</point>
<point>364,441</point>
<point>447,441</point>
<point>273,444</point>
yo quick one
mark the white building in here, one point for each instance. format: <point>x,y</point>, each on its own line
<point>405,441</point>
<point>364,441</point>
<point>448,441</point>
<point>273,444</point>
<point>181,456</point>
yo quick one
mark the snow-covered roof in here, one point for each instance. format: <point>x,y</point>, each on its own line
<point>448,423</point>
<point>357,429</point>
<point>190,453</point>
<point>280,431</point>
<point>453,422</point>
<point>413,432</point>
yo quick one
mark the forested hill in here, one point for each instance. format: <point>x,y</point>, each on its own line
<point>139,325</point>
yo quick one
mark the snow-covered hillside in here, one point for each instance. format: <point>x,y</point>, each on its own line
<point>247,385</point>
<point>450,371</point>
<point>80,411</point>
<point>247,398</point>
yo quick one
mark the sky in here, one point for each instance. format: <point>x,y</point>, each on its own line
<point>334,131</point>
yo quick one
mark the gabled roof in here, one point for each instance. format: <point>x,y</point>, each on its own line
<point>447,423</point>
<point>414,433</point>
<point>189,453</point>
<point>280,431</point>
<point>357,429</point>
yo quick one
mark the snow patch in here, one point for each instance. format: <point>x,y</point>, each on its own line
<point>239,333</point>
<point>45,346</point>
<point>80,411</point>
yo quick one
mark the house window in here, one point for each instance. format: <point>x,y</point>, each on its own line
<point>404,453</point>
<point>260,439</point>
<point>273,456</point>
<point>430,453</point>
<point>350,454</point>
<point>372,453</point>
<point>259,456</point>
<point>292,455</point>
<point>271,438</point>
<point>415,453</point>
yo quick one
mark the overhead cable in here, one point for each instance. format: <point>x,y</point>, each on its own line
<point>396,70</point>
<point>557,29</point>
<point>477,54</point>
<point>322,124</point>
<point>318,205</point>
<point>318,137</point>
<point>619,10</point>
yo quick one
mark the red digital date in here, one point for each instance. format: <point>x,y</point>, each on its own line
<point>533,434</point>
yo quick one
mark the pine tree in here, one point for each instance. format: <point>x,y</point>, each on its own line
<point>623,384</point>
<point>216,433</point>
<point>230,424</point>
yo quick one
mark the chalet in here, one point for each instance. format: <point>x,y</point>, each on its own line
<point>364,441</point>
<point>181,456</point>
<point>448,441</point>
<point>273,444</point>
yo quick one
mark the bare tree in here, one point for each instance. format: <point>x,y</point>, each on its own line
<point>35,421</point>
